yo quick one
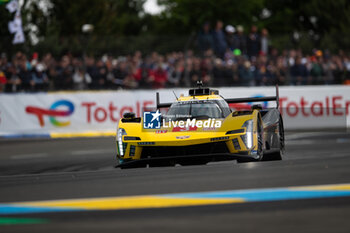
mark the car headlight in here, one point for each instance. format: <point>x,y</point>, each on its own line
<point>248,137</point>
<point>121,146</point>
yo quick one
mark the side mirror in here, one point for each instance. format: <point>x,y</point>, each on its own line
<point>129,115</point>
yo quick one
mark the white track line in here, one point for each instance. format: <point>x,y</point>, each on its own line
<point>90,152</point>
<point>29,156</point>
<point>301,142</point>
<point>307,134</point>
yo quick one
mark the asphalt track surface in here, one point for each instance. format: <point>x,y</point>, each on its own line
<point>35,170</point>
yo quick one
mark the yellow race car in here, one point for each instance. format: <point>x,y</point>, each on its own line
<point>200,128</point>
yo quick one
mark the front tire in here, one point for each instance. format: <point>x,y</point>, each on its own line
<point>117,162</point>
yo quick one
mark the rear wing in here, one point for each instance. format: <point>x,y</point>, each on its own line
<point>256,99</point>
<point>233,100</point>
<point>161,105</point>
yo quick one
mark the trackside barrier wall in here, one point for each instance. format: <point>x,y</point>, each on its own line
<point>65,114</point>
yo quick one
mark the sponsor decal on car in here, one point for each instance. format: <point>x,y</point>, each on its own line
<point>209,129</point>
<point>211,122</point>
<point>161,131</point>
<point>182,129</point>
<point>183,137</point>
<point>151,120</point>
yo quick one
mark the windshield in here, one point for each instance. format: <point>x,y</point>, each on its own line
<point>192,109</point>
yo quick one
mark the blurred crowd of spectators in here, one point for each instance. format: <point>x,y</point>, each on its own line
<point>228,57</point>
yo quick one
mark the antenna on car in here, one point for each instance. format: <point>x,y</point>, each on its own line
<point>175,95</point>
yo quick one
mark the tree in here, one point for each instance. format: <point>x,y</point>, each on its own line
<point>322,24</point>
<point>181,16</point>
<point>122,26</point>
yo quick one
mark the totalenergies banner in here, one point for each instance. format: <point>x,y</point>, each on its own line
<point>68,112</point>
<point>98,113</point>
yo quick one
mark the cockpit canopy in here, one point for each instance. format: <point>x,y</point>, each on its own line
<point>198,109</point>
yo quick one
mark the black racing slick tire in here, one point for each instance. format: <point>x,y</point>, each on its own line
<point>116,162</point>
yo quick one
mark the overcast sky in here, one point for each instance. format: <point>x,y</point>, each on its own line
<point>152,7</point>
